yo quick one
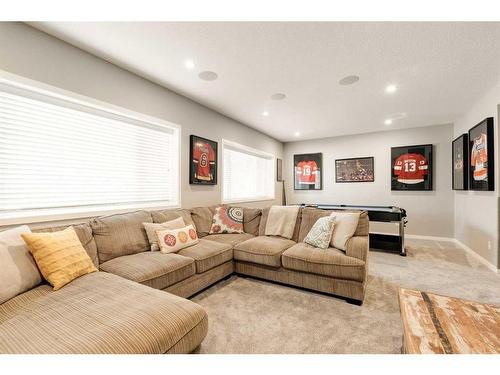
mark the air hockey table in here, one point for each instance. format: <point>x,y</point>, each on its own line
<point>386,214</point>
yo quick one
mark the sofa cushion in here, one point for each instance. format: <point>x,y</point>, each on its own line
<point>121,234</point>
<point>310,215</point>
<point>230,239</point>
<point>264,250</point>
<point>150,268</point>
<point>84,233</point>
<point>19,272</point>
<point>202,218</point>
<point>100,313</point>
<point>161,216</point>
<point>263,223</point>
<point>208,254</point>
<point>251,220</point>
<point>328,262</point>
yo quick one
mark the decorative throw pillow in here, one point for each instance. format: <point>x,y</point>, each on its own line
<point>227,220</point>
<point>172,240</point>
<point>60,256</point>
<point>151,229</point>
<point>320,234</point>
<point>345,226</point>
<point>19,272</point>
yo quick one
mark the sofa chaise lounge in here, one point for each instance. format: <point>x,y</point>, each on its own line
<point>124,308</point>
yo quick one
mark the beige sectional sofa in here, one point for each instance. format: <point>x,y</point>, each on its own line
<point>124,308</point>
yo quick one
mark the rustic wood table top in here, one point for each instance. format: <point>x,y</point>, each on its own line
<point>435,324</point>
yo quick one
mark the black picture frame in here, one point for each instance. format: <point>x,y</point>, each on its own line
<point>279,170</point>
<point>481,135</point>
<point>460,163</point>
<point>203,156</point>
<point>412,168</point>
<point>308,171</point>
<point>350,170</point>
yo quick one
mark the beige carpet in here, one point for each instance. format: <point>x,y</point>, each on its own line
<point>252,316</point>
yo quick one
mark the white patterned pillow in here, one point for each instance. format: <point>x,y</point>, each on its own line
<point>321,232</point>
<point>173,240</point>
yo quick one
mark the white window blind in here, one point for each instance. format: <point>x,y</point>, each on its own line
<point>57,154</point>
<point>248,174</point>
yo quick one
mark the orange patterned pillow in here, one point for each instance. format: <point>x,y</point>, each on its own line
<point>227,220</point>
<point>173,240</point>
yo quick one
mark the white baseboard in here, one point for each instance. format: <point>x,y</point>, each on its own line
<point>471,252</point>
<point>430,238</point>
<point>490,266</point>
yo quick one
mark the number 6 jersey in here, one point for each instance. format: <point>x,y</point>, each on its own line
<point>411,168</point>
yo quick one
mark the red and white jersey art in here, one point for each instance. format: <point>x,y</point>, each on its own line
<point>307,172</point>
<point>411,168</point>
<point>204,157</point>
<point>479,158</point>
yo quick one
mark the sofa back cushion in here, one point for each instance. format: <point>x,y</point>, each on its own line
<point>310,215</point>
<point>84,233</point>
<point>263,222</point>
<point>19,272</point>
<point>121,234</point>
<point>202,218</point>
<point>251,220</point>
<point>161,216</point>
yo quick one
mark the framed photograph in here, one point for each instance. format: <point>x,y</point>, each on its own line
<point>354,170</point>
<point>460,162</point>
<point>481,154</point>
<point>203,165</point>
<point>411,167</point>
<point>307,171</point>
<point>279,170</point>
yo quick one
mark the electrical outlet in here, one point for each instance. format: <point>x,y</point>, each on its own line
<point>489,245</point>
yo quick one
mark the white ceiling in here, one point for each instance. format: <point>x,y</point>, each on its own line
<point>440,69</point>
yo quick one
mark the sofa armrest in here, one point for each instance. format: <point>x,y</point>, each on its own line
<point>358,247</point>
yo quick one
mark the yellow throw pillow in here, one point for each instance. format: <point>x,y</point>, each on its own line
<point>60,256</point>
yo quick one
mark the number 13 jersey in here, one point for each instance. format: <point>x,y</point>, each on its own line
<point>411,168</point>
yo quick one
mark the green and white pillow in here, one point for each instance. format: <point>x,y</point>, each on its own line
<point>321,232</point>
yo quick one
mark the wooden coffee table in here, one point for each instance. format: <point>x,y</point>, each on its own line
<point>444,325</point>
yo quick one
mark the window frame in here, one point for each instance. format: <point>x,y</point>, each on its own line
<point>256,152</point>
<point>16,82</point>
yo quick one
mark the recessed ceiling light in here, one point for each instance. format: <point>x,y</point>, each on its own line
<point>349,80</point>
<point>297,134</point>
<point>208,75</point>
<point>388,122</point>
<point>278,96</point>
<point>189,64</point>
<point>265,113</point>
<point>391,89</point>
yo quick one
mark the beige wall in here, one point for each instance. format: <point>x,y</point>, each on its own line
<point>30,53</point>
<point>476,213</point>
<point>430,213</point>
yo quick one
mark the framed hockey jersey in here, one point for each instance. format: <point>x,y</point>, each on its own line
<point>307,171</point>
<point>460,163</point>
<point>481,156</point>
<point>203,165</point>
<point>411,167</point>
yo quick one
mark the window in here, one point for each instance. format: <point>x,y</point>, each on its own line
<point>60,155</point>
<point>248,174</point>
